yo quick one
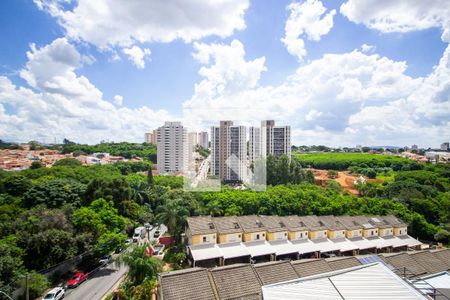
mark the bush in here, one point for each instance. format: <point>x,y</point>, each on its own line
<point>37,284</point>
<point>67,162</point>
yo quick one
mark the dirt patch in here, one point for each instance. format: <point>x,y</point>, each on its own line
<point>345,180</point>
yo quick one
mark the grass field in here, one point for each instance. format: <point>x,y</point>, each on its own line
<point>341,161</point>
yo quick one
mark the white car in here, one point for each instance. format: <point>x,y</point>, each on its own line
<point>55,294</point>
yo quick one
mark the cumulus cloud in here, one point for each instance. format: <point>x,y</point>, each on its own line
<point>367,48</point>
<point>400,15</point>
<point>306,19</point>
<point>107,23</point>
<point>137,55</point>
<point>118,100</point>
<point>61,104</point>
<point>339,99</point>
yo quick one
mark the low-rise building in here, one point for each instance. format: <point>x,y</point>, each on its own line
<point>276,228</point>
<point>228,230</point>
<point>316,228</point>
<point>201,230</point>
<point>297,229</point>
<point>253,228</point>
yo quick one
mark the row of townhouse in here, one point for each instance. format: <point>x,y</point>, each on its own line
<point>227,238</point>
<point>206,229</point>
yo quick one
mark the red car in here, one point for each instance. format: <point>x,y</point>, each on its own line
<point>76,280</point>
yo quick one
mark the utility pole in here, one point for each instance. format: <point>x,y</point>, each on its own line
<point>27,290</point>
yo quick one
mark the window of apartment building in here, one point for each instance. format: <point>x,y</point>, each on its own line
<point>301,235</point>
<point>400,231</point>
<point>257,236</point>
<point>371,232</point>
<point>204,239</point>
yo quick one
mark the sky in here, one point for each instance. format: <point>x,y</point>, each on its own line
<point>340,73</point>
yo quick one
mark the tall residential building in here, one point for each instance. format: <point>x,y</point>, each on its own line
<point>148,137</point>
<point>254,143</point>
<point>171,149</point>
<point>192,142</point>
<point>229,151</point>
<point>203,139</point>
<point>154,137</point>
<point>445,146</point>
<point>269,139</point>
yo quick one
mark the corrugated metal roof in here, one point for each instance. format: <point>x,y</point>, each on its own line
<point>231,250</point>
<point>205,251</point>
<point>374,281</point>
<point>437,281</point>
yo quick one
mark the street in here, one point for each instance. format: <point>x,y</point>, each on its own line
<point>98,284</point>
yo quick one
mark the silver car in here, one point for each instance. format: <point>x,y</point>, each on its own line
<point>55,294</point>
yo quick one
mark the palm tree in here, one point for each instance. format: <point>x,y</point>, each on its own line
<point>141,266</point>
<point>173,214</point>
<point>139,192</point>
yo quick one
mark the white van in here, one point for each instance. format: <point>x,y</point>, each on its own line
<point>139,233</point>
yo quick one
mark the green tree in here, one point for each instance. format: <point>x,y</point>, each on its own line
<point>141,266</point>
<point>36,164</point>
<point>71,162</point>
<point>37,284</point>
<point>16,185</point>
<point>150,179</point>
<point>55,193</point>
<point>442,236</point>
<point>11,262</point>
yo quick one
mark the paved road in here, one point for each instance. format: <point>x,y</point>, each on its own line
<point>98,284</point>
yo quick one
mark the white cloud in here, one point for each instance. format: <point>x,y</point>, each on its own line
<point>339,99</point>
<point>400,15</point>
<point>137,55</point>
<point>107,23</point>
<point>367,48</point>
<point>62,104</point>
<point>307,18</point>
<point>118,100</point>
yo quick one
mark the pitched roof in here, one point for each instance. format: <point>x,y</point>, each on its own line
<point>236,281</point>
<point>394,221</point>
<point>350,223</point>
<point>429,262</point>
<point>273,223</point>
<point>332,223</point>
<point>443,255</point>
<point>294,223</point>
<point>227,225</point>
<point>313,223</point>
<point>251,223</point>
<point>186,284</point>
<point>273,272</point>
<point>404,260</point>
<point>338,263</point>
<point>308,267</point>
<point>201,225</point>
<point>380,222</point>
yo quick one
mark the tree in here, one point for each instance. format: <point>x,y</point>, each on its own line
<point>442,236</point>
<point>37,284</point>
<point>172,214</point>
<point>36,165</point>
<point>332,174</point>
<point>141,266</point>
<point>11,261</point>
<point>72,162</point>
<point>150,180</point>
<point>55,193</point>
<point>16,185</point>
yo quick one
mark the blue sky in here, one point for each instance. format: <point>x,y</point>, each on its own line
<point>267,72</point>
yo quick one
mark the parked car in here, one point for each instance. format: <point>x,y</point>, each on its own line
<point>127,242</point>
<point>118,249</point>
<point>139,233</point>
<point>76,280</point>
<point>105,259</point>
<point>156,234</point>
<point>55,294</point>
